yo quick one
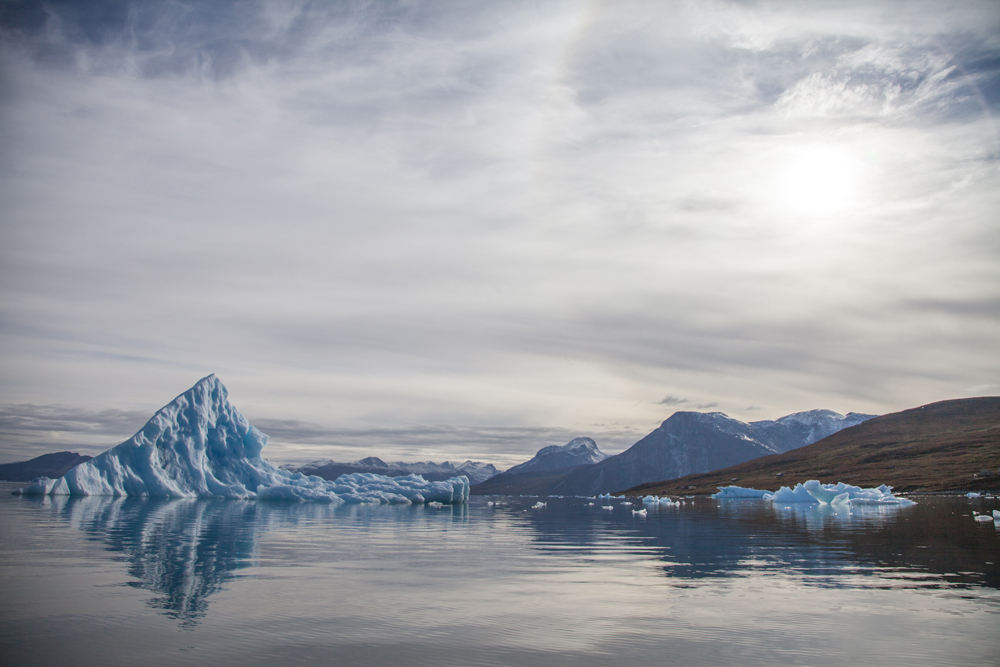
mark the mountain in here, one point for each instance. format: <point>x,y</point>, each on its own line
<point>687,442</point>
<point>46,465</point>
<point>549,465</point>
<point>199,445</point>
<point>545,468</point>
<point>476,472</point>
<point>946,446</point>
<point>576,452</point>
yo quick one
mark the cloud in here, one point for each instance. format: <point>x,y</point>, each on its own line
<point>516,215</point>
<point>28,430</point>
<point>672,400</point>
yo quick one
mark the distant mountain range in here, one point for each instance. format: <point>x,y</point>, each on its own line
<point>946,446</point>
<point>433,472</point>
<point>686,443</point>
<point>46,465</point>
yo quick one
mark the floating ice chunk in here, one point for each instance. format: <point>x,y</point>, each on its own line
<point>538,505</point>
<point>435,503</point>
<point>641,512</point>
<point>737,492</point>
<point>604,496</point>
<point>984,518</point>
<point>200,446</point>
<point>996,515</point>
<point>607,507</point>
<point>590,504</point>
<point>652,500</point>
<point>825,494</point>
<point>627,504</point>
<point>973,494</point>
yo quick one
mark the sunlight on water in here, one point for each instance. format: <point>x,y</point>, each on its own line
<point>741,582</point>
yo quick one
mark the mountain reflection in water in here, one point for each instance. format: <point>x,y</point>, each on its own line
<point>186,551</point>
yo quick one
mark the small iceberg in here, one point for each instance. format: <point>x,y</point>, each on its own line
<point>641,512</point>
<point>539,505</point>
<point>984,518</point>
<point>814,492</point>
<point>607,507</point>
<point>662,501</point>
<point>200,446</point>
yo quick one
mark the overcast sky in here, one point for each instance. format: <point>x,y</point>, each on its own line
<point>451,230</point>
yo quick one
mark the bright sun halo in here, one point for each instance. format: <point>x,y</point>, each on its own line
<point>818,181</point>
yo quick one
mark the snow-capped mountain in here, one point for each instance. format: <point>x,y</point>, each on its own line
<point>199,445</point>
<point>686,443</point>
<point>694,442</point>
<point>577,452</point>
<point>805,428</point>
<point>327,469</point>
<point>545,468</point>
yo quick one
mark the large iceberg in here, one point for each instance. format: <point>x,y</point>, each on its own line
<point>200,446</point>
<point>822,494</point>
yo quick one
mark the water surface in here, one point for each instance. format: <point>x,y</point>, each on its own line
<point>104,581</point>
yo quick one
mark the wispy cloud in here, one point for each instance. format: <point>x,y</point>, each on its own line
<point>511,215</point>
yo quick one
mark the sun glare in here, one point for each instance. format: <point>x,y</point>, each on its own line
<point>819,181</point>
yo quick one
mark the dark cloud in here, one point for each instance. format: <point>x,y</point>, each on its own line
<point>672,400</point>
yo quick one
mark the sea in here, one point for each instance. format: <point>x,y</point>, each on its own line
<point>497,581</point>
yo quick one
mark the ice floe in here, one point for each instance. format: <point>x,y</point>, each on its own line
<point>200,446</point>
<point>823,494</point>
<point>663,501</point>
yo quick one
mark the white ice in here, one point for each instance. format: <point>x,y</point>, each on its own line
<point>664,501</point>
<point>738,492</point>
<point>539,505</point>
<point>200,446</point>
<point>823,494</point>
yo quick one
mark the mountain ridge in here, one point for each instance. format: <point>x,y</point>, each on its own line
<point>685,443</point>
<point>329,469</point>
<point>951,445</point>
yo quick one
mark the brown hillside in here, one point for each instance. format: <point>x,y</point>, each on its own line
<point>947,446</point>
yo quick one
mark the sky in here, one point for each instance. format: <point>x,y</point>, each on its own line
<point>468,230</point>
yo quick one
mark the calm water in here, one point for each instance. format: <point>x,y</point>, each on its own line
<point>102,581</point>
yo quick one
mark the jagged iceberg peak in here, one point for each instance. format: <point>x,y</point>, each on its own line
<point>199,445</point>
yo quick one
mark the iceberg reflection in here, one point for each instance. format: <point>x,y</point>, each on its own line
<point>182,550</point>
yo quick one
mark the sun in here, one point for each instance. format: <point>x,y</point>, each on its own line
<point>818,181</point>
